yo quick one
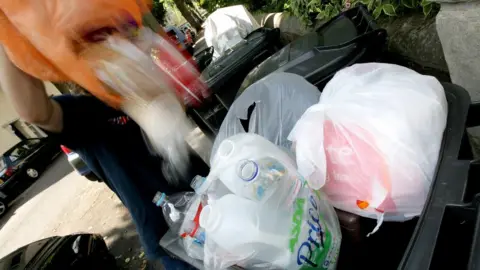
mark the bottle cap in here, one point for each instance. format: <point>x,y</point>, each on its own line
<point>248,170</point>
<point>159,198</point>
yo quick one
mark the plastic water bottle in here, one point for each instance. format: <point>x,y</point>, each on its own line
<point>182,213</point>
<point>248,229</point>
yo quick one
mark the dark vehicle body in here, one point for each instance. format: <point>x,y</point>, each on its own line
<point>21,165</point>
<point>72,252</point>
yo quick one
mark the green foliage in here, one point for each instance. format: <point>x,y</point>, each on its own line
<point>167,13</point>
<point>326,9</point>
<point>158,10</point>
<point>309,10</point>
<point>252,5</point>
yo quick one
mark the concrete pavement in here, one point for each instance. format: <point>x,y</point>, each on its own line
<point>62,202</point>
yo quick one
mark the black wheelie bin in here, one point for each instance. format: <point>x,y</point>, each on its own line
<point>447,234</point>
<point>351,37</point>
<point>224,76</point>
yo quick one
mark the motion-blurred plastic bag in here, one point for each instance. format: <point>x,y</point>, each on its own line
<point>266,109</point>
<point>373,141</point>
<point>45,37</point>
<point>48,38</point>
<point>139,70</point>
<point>261,214</point>
<point>146,70</point>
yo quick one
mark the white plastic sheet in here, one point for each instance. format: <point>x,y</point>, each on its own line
<point>274,114</point>
<point>373,141</point>
<point>227,27</point>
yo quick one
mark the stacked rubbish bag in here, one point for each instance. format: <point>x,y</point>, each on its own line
<point>287,158</point>
<point>255,211</point>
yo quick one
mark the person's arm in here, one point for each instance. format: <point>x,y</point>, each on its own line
<point>28,96</point>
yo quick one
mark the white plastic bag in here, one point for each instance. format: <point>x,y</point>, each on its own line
<point>274,114</point>
<point>226,27</point>
<point>293,228</point>
<point>373,141</point>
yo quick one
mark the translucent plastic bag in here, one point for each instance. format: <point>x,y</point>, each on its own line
<point>266,109</point>
<point>227,27</point>
<point>373,141</point>
<point>290,227</point>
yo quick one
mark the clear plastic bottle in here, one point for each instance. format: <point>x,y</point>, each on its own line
<point>182,214</point>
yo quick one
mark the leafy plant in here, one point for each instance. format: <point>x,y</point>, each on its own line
<point>158,11</point>
<point>326,9</point>
<point>310,10</point>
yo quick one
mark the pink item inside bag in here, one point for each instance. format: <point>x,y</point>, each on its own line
<point>357,174</point>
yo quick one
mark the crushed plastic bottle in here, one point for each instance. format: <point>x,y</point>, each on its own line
<point>182,214</point>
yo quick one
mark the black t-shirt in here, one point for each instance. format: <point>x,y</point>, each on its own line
<point>113,146</point>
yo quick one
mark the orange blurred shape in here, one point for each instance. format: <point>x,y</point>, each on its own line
<point>44,38</point>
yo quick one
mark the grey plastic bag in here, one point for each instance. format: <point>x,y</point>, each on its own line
<point>270,108</point>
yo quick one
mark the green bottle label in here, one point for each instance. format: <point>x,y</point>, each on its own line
<point>317,249</point>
